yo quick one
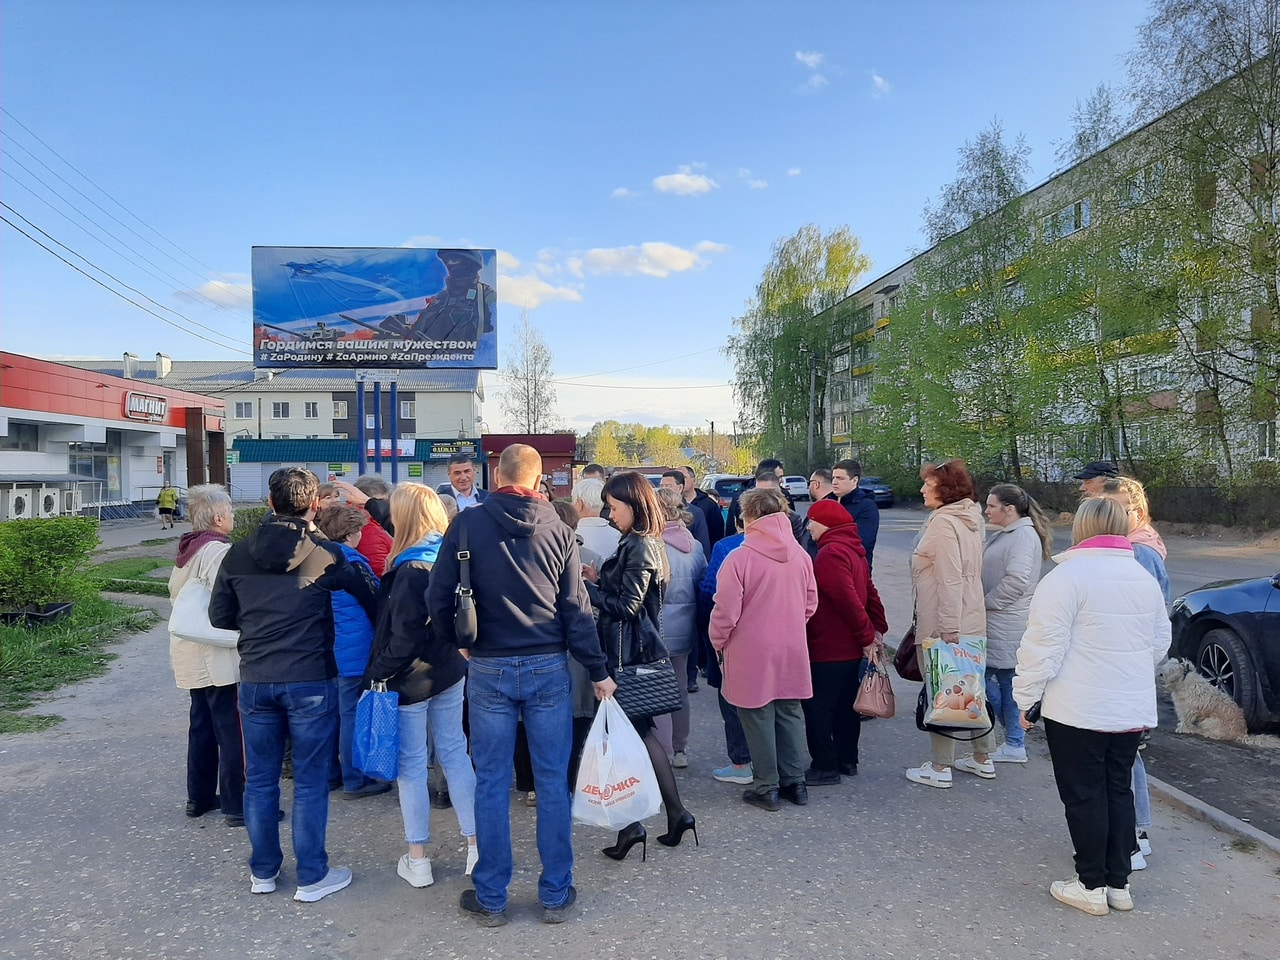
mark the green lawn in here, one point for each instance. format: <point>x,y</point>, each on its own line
<point>130,568</point>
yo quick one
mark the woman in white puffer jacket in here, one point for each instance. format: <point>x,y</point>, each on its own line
<point>1096,630</point>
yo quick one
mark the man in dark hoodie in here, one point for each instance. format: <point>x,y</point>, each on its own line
<point>531,612</point>
<point>275,589</point>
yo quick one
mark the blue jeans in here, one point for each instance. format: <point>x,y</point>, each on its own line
<point>500,689</point>
<point>349,690</point>
<point>443,713</point>
<point>1141,794</point>
<point>1000,693</point>
<point>307,713</point>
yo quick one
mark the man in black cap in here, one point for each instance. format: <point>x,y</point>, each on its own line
<point>1094,475</point>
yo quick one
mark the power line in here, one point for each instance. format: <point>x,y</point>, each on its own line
<point>104,286</point>
<point>165,274</point>
<point>101,190</point>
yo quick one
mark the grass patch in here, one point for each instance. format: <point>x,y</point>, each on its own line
<point>157,542</point>
<point>150,588</point>
<point>1244,844</point>
<point>34,662</point>
<point>130,568</point>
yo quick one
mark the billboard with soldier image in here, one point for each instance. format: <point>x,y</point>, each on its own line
<point>389,307</point>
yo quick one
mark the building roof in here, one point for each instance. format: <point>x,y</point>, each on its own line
<point>218,377</point>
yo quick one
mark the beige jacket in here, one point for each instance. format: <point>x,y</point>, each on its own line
<point>197,665</point>
<point>946,573</point>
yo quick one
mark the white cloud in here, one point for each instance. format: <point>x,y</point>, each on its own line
<point>793,172</point>
<point>811,60</point>
<point>816,82</point>
<point>531,291</point>
<point>685,182</point>
<point>507,261</point>
<point>879,85</point>
<point>230,293</point>
<point>757,184</point>
<point>648,259</point>
<point>622,192</point>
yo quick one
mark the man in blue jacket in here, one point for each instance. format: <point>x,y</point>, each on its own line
<point>845,476</point>
<point>531,612</point>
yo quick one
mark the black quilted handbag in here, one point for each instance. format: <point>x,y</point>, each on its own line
<point>647,689</point>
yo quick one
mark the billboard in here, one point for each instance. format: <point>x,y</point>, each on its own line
<point>374,307</point>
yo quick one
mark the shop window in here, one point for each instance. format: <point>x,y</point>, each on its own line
<point>22,436</point>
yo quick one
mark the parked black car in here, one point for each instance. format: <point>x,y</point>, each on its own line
<point>1231,631</point>
<point>878,489</point>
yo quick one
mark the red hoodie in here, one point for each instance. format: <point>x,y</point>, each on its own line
<point>849,609</point>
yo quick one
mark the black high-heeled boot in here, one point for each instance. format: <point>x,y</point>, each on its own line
<point>675,831</point>
<point>628,837</point>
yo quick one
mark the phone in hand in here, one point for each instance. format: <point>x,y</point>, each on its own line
<point>1033,713</point>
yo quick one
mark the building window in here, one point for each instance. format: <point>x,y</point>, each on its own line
<point>244,410</point>
<point>1068,220</point>
<point>310,410</point>
<point>339,436</point>
<point>22,436</point>
<point>1267,440</point>
<point>407,408</point>
<point>368,421</point>
<point>339,409</point>
<point>280,410</point>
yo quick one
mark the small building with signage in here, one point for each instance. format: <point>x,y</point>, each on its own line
<point>558,452</point>
<point>75,441</point>
<point>424,461</point>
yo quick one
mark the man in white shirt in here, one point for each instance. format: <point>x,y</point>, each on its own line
<point>596,532</point>
<point>462,483</point>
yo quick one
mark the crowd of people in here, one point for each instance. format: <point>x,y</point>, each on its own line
<point>500,619</point>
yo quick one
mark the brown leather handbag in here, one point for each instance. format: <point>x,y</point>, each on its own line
<point>875,695</point>
<point>904,661</point>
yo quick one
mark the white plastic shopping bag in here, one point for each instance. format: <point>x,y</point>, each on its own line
<point>616,783</point>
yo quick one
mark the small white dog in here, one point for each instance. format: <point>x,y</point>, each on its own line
<point>1203,709</point>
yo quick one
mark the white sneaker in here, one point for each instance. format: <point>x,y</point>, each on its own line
<point>930,777</point>
<point>1007,754</point>
<point>1074,894</point>
<point>338,878</point>
<point>473,857</point>
<point>680,760</point>
<point>1138,861</point>
<point>1144,845</point>
<point>259,885</point>
<point>416,873</point>
<point>986,769</point>
<point>1119,898</point>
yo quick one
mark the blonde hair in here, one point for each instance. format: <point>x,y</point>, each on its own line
<point>1097,517</point>
<point>757,503</point>
<point>1136,491</point>
<point>416,511</point>
<point>672,504</point>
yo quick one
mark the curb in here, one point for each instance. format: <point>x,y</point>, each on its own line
<point>1212,815</point>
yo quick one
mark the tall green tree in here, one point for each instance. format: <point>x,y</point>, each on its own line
<point>779,350</point>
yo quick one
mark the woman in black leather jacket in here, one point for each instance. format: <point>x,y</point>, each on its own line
<point>627,593</point>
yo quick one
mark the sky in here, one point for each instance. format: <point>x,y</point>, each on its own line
<point>633,163</point>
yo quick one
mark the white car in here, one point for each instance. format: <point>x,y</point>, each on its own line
<point>798,487</point>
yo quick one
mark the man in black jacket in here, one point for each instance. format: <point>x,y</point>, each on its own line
<point>709,506</point>
<point>845,477</point>
<point>531,612</point>
<point>275,589</point>
<point>769,465</point>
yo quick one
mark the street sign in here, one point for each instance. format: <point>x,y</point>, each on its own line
<point>377,376</point>
<point>233,457</point>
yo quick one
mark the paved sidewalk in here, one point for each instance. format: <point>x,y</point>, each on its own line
<point>97,860</point>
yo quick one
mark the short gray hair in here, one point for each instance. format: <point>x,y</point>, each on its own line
<point>590,491</point>
<point>373,486</point>
<point>205,502</point>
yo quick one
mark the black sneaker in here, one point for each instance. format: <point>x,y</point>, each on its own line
<point>370,789</point>
<point>470,906</point>
<point>561,913</point>
<point>765,801</point>
<point>440,799</point>
<point>821,778</point>
<point>200,809</point>
<point>797,793</point>
<point>848,769</point>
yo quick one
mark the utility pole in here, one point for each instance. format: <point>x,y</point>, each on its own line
<point>813,400</point>
<point>714,462</point>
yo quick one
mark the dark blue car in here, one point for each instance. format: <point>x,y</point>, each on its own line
<point>1231,631</point>
<point>878,489</point>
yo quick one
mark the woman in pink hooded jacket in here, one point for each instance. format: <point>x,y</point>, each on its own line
<point>765,593</point>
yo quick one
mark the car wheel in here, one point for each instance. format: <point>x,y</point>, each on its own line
<point>1225,663</point>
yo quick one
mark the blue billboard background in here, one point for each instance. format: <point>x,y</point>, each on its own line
<point>393,307</point>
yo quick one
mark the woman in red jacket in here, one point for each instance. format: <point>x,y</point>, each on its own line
<point>848,618</point>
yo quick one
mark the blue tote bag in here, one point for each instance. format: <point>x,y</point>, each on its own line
<point>376,751</point>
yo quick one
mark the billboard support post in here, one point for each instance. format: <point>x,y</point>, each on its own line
<point>377,427</point>
<point>395,435</point>
<point>360,424</point>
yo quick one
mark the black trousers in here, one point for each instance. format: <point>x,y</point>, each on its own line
<point>832,728</point>
<point>1093,771</point>
<point>215,751</point>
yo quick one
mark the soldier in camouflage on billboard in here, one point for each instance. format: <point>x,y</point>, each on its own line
<point>463,310</point>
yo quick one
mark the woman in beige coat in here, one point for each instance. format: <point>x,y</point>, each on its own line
<point>946,575</point>
<point>215,753</point>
